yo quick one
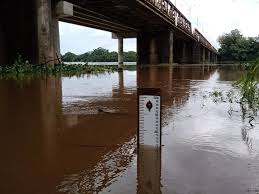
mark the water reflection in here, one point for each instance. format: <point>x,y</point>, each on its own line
<point>149,170</point>
<point>78,135</point>
<point>121,81</point>
<point>30,117</point>
<point>106,127</point>
<point>107,169</point>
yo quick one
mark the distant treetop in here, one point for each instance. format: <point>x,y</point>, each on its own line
<point>237,48</point>
<point>99,55</point>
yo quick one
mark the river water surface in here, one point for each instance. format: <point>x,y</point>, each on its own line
<point>78,135</point>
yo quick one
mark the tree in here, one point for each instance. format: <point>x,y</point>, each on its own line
<point>99,55</point>
<point>130,56</point>
<point>69,57</point>
<point>86,57</point>
<point>235,47</point>
<point>113,56</point>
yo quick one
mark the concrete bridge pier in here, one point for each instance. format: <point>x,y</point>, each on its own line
<point>190,52</point>
<point>155,48</point>
<point>31,30</point>
<point>120,54</point>
<point>203,55</point>
<point>45,40</point>
<point>184,57</point>
<point>214,57</point>
<point>121,82</point>
<point>196,53</point>
<point>56,35</point>
<point>209,57</point>
<point>206,56</point>
<point>153,51</point>
<point>171,48</point>
<point>47,32</point>
<point>187,52</point>
<point>212,60</point>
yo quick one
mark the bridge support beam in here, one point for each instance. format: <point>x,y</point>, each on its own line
<point>45,40</point>
<point>120,54</point>
<point>171,48</point>
<point>187,52</point>
<point>56,35</point>
<point>196,53</point>
<point>184,58</point>
<point>214,58</point>
<point>206,56</point>
<point>47,32</point>
<point>203,55</point>
<point>153,51</point>
<point>209,57</point>
<point>155,48</point>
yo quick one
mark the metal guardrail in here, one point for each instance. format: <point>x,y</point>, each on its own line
<point>166,7</point>
<point>200,38</point>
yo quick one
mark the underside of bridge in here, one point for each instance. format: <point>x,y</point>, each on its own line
<point>17,30</point>
<point>31,29</point>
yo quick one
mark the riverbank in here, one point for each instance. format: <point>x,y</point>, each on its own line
<point>24,70</point>
<point>102,63</point>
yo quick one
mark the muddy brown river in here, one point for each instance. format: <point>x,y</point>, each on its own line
<point>78,135</point>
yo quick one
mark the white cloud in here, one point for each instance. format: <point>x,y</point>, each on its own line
<point>214,17</point>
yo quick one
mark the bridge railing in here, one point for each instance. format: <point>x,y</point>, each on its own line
<point>200,38</point>
<point>166,7</point>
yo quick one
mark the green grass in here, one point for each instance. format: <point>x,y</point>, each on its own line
<point>248,95</point>
<point>22,70</point>
<point>249,87</point>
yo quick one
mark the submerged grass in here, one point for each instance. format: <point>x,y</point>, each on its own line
<point>24,70</point>
<point>249,86</point>
<point>247,95</point>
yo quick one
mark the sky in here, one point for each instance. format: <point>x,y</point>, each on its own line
<point>212,17</point>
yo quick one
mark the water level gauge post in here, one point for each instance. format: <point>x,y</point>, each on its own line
<point>149,117</point>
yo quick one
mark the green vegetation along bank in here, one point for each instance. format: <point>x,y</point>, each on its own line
<point>246,94</point>
<point>99,55</point>
<point>22,69</point>
<point>234,47</point>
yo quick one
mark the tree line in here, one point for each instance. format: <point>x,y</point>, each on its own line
<point>99,55</point>
<point>235,47</point>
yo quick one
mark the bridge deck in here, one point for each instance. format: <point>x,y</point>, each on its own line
<point>120,16</point>
<point>128,16</point>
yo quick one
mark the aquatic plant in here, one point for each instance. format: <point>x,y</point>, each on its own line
<point>248,85</point>
<point>23,69</point>
<point>246,94</point>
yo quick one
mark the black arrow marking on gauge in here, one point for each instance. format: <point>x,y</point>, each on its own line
<point>149,105</point>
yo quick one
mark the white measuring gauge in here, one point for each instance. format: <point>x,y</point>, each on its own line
<point>149,120</point>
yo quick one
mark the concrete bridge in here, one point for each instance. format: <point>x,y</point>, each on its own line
<point>164,34</point>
